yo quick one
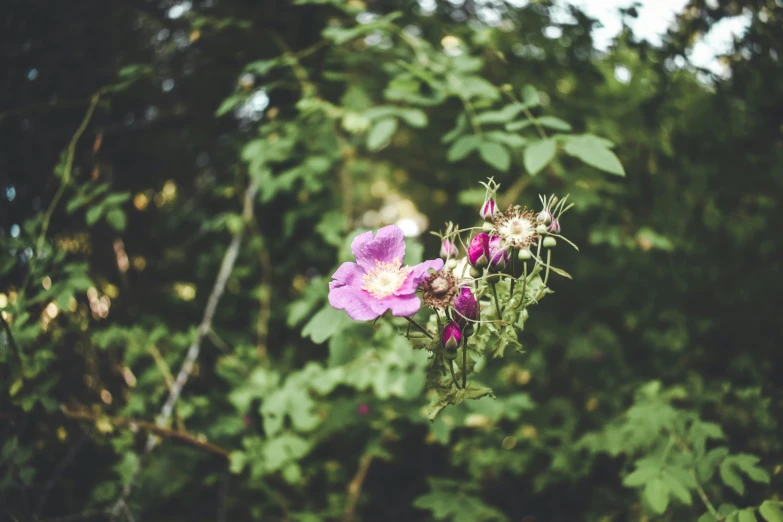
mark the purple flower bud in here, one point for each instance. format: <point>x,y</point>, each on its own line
<point>554,226</point>
<point>447,249</point>
<point>466,306</point>
<point>451,337</point>
<point>488,209</point>
<point>478,251</point>
<point>498,255</point>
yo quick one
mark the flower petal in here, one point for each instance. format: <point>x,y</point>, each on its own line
<point>349,274</point>
<point>358,304</point>
<point>417,276</point>
<point>387,245</point>
<point>401,305</point>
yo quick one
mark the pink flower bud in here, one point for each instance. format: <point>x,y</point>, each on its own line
<point>451,337</point>
<point>466,306</point>
<point>478,251</point>
<point>488,209</point>
<point>498,255</point>
<point>554,227</point>
<point>448,249</point>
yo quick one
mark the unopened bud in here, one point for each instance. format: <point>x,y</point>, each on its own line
<point>524,254</point>
<point>488,226</point>
<point>544,217</point>
<point>451,337</point>
<point>541,229</point>
<point>554,227</point>
<point>549,242</point>
<point>488,209</point>
<point>451,264</point>
<point>447,249</point>
<point>475,273</point>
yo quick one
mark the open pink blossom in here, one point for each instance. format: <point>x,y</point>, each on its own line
<point>378,281</point>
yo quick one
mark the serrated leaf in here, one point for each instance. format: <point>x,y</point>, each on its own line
<point>530,96</point>
<point>462,147</point>
<point>747,515</point>
<point>324,324</point>
<point>656,494</point>
<point>537,155</point>
<point>640,476</point>
<point>592,151</point>
<point>550,122</point>
<point>413,117</point>
<point>731,478</point>
<point>771,511</point>
<point>495,154</point>
<point>381,132</point>
<point>678,489</point>
<point>506,114</point>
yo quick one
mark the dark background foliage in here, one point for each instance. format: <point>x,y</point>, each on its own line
<point>667,339</point>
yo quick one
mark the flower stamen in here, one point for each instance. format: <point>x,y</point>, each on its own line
<point>385,279</point>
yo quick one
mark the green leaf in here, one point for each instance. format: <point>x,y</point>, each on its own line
<point>94,214</point>
<point>551,122</point>
<point>495,154</point>
<point>511,140</point>
<point>530,96</point>
<point>381,132</point>
<point>413,117</point>
<point>656,494</point>
<point>237,461</point>
<point>640,476</point>
<point>771,511</point>
<point>731,478</point>
<point>462,147</point>
<point>229,103</point>
<point>538,154</point>
<point>593,152</point>
<point>747,515</point>
<point>707,517</point>
<point>116,218</point>
<point>506,114</point>
<point>518,125</point>
<point>324,324</point>
<point>678,489</point>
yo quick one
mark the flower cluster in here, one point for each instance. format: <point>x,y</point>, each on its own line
<point>502,272</point>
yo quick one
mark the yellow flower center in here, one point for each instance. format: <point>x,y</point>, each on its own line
<point>385,279</point>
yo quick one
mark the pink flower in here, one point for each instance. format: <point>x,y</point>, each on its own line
<point>451,337</point>
<point>447,249</point>
<point>488,209</point>
<point>378,282</point>
<point>466,306</point>
<point>498,255</point>
<point>478,251</point>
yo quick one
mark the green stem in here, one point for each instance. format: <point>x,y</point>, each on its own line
<point>548,260</point>
<point>464,364</point>
<point>453,377</point>
<point>497,303</point>
<point>419,327</point>
<point>524,285</point>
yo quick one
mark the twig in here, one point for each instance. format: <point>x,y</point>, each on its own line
<point>152,428</point>
<point>226,267</point>
<point>66,178</point>
<point>355,487</point>
<point>419,327</point>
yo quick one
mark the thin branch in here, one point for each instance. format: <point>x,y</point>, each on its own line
<point>355,487</point>
<point>66,178</point>
<point>189,363</point>
<point>124,422</point>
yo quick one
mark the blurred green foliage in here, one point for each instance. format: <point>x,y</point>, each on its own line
<point>649,389</point>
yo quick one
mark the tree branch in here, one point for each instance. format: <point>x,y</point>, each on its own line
<point>125,422</point>
<point>204,328</point>
<point>355,487</point>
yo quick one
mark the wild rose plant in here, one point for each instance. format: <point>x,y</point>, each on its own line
<point>473,307</point>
